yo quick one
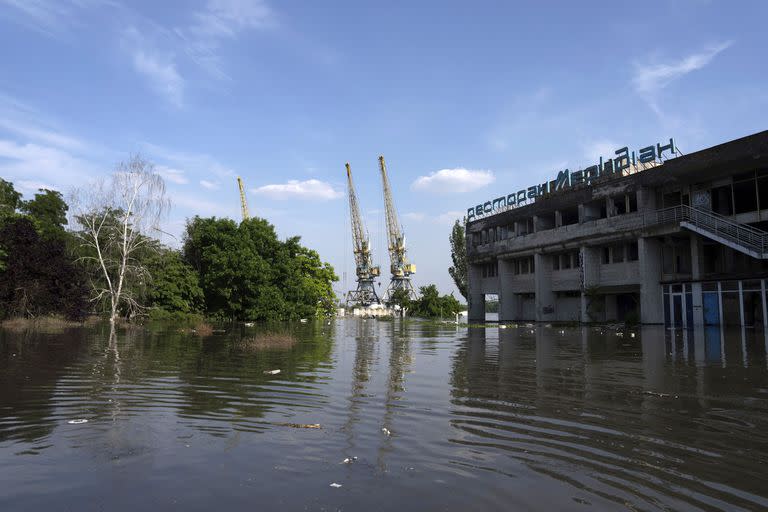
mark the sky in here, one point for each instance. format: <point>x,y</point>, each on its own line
<point>467,101</point>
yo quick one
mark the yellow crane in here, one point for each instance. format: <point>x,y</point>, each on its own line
<point>243,202</point>
<point>400,268</point>
<point>365,294</point>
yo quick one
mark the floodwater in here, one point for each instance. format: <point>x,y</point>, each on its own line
<point>430,417</point>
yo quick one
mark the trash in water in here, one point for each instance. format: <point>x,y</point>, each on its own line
<point>248,324</point>
<point>299,425</point>
<point>349,460</point>
<point>335,485</point>
<point>304,320</point>
<point>79,421</point>
<point>386,431</point>
<point>271,372</point>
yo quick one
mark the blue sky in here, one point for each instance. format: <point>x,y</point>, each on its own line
<point>466,100</point>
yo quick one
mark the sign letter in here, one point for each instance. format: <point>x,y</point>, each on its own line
<point>661,149</point>
<point>621,161</point>
<point>647,155</point>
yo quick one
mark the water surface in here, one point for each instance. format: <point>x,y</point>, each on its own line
<point>432,417</point>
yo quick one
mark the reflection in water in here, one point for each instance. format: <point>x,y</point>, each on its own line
<point>637,418</point>
<point>533,417</point>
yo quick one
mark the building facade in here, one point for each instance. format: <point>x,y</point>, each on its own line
<point>680,241</point>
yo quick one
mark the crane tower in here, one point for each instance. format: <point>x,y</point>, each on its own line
<point>400,268</point>
<point>365,293</point>
<point>243,202</point>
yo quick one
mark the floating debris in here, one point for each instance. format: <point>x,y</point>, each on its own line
<point>299,425</point>
<point>386,431</point>
<point>271,372</point>
<point>79,421</point>
<point>659,395</point>
<point>248,324</point>
<point>349,460</point>
<point>304,320</point>
<point>335,485</point>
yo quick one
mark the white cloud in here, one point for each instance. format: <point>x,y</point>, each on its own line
<point>40,134</point>
<point>24,121</point>
<point>447,181</point>
<point>201,164</point>
<point>200,206</point>
<point>415,216</point>
<point>309,189</point>
<point>218,20</point>
<point>36,163</point>
<point>594,150</point>
<point>163,76</point>
<point>50,17</point>
<point>450,217</point>
<point>31,187</point>
<point>651,78</point>
<point>225,18</point>
<point>210,185</point>
<point>172,175</point>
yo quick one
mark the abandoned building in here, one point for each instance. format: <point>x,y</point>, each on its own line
<point>679,240</point>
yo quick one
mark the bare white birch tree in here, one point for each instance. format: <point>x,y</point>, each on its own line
<point>115,218</point>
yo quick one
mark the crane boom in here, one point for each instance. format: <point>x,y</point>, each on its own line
<point>366,272</point>
<point>359,238</point>
<point>243,202</point>
<point>400,268</point>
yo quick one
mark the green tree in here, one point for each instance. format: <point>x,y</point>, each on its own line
<point>48,211</point>
<point>9,198</point>
<point>173,286</point>
<point>431,304</point>
<point>41,277</point>
<point>458,270</point>
<point>402,298</point>
<point>247,273</point>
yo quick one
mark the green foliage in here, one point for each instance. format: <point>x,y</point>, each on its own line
<point>9,198</point>
<point>247,273</point>
<point>458,270</point>
<point>402,298</point>
<point>48,211</point>
<point>40,278</point>
<point>431,304</point>
<point>173,286</point>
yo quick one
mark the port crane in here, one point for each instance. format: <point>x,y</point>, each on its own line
<point>243,202</point>
<point>365,293</point>
<point>400,268</point>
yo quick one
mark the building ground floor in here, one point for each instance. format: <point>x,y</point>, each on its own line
<point>678,279</point>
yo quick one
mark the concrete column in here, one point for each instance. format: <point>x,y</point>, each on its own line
<point>476,294</point>
<point>646,200</point>
<point>509,302</point>
<point>558,218</point>
<point>651,301</point>
<point>698,300</point>
<point>545,297</point>
<point>611,311</point>
<point>590,258</point>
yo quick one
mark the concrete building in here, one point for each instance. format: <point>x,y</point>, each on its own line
<point>679,241</point>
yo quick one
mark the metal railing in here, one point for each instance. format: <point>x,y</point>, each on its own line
<point>750,238</point>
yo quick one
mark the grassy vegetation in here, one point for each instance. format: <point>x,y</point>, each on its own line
<point>267,341</point>
<point>43,323</point>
